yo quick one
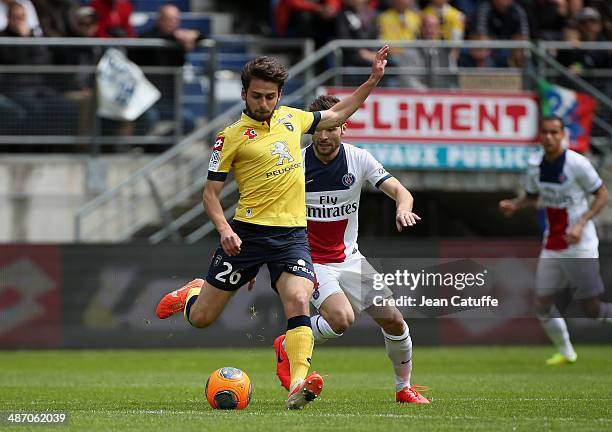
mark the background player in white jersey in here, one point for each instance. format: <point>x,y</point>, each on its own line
<point>335,173</point>
<point>562,180</point>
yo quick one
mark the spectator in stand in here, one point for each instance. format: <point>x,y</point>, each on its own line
<point>78,87</point>
<point>452,24</point>
<point>114,18</point>
<point>551,18</point>
<point>306,18</point>
<point>54,16</point>
<point>47,112</point>
<point>468,8</point>
<point>604,7</point>
<point>357,20</point>
<point>400,22</point>
<point>580,61</point>
<point>503,20</point>
<point>574,6</point>
<point>427,57</point>
<point>476,57</point>
<point>33,22</point>
<point>452,21</point>
<point>82,22</point>
<point>167,27</point>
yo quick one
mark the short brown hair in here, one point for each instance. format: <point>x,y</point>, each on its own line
<point>323,102</point>
<point>266,69</point>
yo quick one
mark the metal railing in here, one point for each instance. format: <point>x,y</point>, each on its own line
<point>76,122</point>
<point>333,75</point>
<point>149,194</point>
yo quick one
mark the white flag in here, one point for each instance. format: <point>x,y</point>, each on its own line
<point>124,93</point>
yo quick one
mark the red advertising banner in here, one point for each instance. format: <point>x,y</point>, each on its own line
<point>29,296</point>
<point>409,116</point>
<point>462,330</point>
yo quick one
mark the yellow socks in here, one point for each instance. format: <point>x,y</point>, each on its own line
<point>299,343</point>
<point>192,296</point>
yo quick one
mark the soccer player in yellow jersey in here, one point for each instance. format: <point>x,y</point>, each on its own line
<point>269,227</point>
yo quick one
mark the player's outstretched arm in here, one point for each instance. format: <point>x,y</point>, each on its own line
<point>404,217</point>
<point>230,242</point>
<point>339,113</point>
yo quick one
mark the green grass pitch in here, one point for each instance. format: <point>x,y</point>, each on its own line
<point>471,388</point>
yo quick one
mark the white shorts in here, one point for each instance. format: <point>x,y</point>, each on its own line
<point>577,270</point>
<point>353,277</point>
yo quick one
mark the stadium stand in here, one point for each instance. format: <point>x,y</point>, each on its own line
<point>209,91</point>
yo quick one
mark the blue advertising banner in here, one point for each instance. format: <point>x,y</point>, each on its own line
<point>450,156</point>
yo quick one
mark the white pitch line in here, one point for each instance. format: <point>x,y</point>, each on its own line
<point>414,416</point>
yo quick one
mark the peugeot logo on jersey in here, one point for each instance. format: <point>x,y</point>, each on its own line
<point>348,179</point>
<point>280,149</point>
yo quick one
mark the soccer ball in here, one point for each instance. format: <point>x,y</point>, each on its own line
<point>228,388</point>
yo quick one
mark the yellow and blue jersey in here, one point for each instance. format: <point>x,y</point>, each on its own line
<point>394,25</point>
<point>268,167</point>
<point>452,21</point>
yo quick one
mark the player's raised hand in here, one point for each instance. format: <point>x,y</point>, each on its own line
<point>507,207</point>
<point>230,242</point>
<point>380,61</point>
<point>405,218</point>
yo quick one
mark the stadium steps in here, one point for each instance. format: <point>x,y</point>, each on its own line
<point>148,232</point>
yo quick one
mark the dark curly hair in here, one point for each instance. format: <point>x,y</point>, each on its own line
<point>266,69</point>
<point>323,102</point>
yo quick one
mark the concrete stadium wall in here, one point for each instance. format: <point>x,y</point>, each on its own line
<point>39,195</point>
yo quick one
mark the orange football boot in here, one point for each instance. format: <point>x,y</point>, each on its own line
<point>175,301</point>
<point>283,368</point>
<point>305,391</point>
<point>411,395</point>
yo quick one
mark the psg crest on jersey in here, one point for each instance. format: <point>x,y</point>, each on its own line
<point>348,179</point>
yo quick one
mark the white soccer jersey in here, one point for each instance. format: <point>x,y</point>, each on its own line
<point>563,186</point>
<point>332,200</point>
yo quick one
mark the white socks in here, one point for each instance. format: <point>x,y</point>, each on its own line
<point>321,329</point>
<point>399,350</point>
<point>556,329</point>
<point>605,313</point>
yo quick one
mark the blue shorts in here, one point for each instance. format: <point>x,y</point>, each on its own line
<point>282,249</point>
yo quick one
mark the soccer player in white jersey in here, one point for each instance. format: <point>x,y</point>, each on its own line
<point>562,181</point>
<point>335,172</point>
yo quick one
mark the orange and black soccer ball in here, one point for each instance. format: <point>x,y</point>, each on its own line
<point>228,388</point>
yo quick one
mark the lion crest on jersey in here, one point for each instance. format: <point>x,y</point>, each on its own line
<point>280,149</point>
